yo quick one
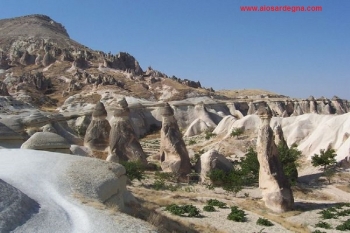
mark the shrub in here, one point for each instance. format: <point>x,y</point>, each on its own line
<point>325,159</point>
<point>134,170</point>
<point>328,214</point>
<point>318,231</point>
<point>230,181</point>
<point>184,210</point>
<point>192,142</point>
<point>209,134</point>
<point>237,215</point>
<point>214,202</point>
<point>344,213</point>
<point>250,167</point>
<point>237,132</point>
<point>264,222</point>
<point>345,226</point>
<point>324,225</point>
<point>209,208</point>
<point>289,158</point>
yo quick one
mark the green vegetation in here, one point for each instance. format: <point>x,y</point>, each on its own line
<point>236,132</point>
<point>209,208</point>
<point>230,181</point>
<point>345,226</point>
<point>264,222</point>
<point>237,215</point>
<point>318,231</point>
<point>323,225</point>
<point>191,142</point>
<point>289,158</point>
<point>160,184</point>
<point>209,134</point>
<point>328,214</point>
<point>134,170</point>
<point>250,167</point>
<point>214,202</point>
<point>184,210</point>
<point>325,159</point>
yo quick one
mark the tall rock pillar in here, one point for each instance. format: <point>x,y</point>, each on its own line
<point>173,153</point>
<point>274,186</point>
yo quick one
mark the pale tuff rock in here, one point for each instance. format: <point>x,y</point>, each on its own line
<point>313,105</point>
<point>278,133</point>
<point>210,161</point>
<point>124,144</point>
<point>251,109</point>
<point>202,123</point>
<point>275,187</point>
<point>97,134</point>
<point>339,106</point>
<point>47,141</point>
<point>297,110</point>
<point>173,153</point>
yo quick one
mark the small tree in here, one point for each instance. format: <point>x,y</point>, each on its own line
<point>325,159</point>
<point>134,170</point>
<point>250,167</point>
<point>237,132</point>
<point>289,159</point>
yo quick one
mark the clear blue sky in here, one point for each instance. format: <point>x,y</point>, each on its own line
<point>296,54</point>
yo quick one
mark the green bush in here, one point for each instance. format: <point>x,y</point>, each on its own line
<point>214,202</point>
<point>345,226</point>
<point>134,170</point>
<point>209,208</point>
<point>250,167</point>
<point>184,210</point>
<point>325,158</point>
<point>289,158</point>
<point>237,215</point>
<point>318,231</point>
<point>237,132</point>
<point>192,142</point>
<point>344,213</point>
<point>324,225</point>
<point>209,134</point>
<point>264,222</point>
<point>230,181</point>
<point>328,214</point>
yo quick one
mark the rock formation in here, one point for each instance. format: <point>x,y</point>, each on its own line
<point>47,141</point>
<point>275,187</point>
<point>123,142</point>
<point>173,153</point>
<point>212,160</point>
<point>97,134</point>
<point>278,133</point>
<point>3,89</point>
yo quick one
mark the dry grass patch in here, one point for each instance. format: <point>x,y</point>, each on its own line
<point>345,188</point>
<point>306,193</point>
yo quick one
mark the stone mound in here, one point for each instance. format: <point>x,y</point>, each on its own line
<point>47,141</point>
<point>15,207</point>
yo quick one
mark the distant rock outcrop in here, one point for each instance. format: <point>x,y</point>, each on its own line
<point>173,153</point>
<point>97,134</point>
<point>275,187</point>
<point>124,144</point>
<point>210,161</point>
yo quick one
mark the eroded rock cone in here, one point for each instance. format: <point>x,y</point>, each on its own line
<point>173,153</point>
<point>97,133</point>
<point>279,138</point>
<point>274,186</point>
<point>3,89</point>
<point>124,144</point>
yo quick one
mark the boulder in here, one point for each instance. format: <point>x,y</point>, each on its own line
<point>210,161</point>
<point>173,153</point>
<point>124,144</point>
<point>47,141</point>
<point>97,134</point>
<point>275,187</point>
